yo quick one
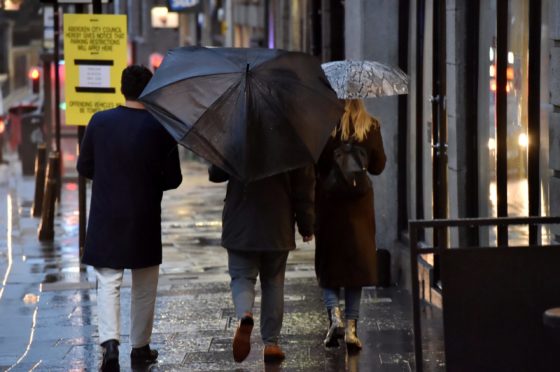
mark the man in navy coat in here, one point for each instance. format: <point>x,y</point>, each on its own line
<point>131,159</point>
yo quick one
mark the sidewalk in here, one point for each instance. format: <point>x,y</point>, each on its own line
<point>47,302</point>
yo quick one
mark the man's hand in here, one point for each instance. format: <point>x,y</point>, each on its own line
<point>307,239</point>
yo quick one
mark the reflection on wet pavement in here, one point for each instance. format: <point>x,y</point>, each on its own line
<point>48,301</point>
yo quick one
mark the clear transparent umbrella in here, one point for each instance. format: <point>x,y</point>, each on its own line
<point>365,79</point>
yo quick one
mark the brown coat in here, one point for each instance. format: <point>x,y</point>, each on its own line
<point>345,253</point>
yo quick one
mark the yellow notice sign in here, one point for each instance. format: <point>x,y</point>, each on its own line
<point>95,54</point>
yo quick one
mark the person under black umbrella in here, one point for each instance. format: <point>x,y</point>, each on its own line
<point>259,226</point>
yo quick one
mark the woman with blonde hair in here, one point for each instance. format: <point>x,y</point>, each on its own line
<point>345,252</point>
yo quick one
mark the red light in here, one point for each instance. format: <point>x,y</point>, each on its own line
<point>34,73</point>
<point>35,76</point>
<point>155,60</point>
<point>2,126</point>
<point>71,187</point>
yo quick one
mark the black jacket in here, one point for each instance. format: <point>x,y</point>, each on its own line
<point>261,215</point>
<point>131,159</point>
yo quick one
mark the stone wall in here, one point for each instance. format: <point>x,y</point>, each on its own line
<point>554,118</point>
<point>378,19</point>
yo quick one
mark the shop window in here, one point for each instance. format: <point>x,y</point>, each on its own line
<point>517,117</point>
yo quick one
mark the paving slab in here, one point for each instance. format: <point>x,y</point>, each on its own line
<point>48,300</point>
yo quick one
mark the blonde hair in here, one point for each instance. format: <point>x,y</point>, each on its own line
<point>355,120</point>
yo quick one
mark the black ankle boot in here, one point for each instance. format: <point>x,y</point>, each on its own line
<point>110,361</point>
<point>143,355</point>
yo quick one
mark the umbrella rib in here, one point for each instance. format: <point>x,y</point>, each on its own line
<point>193,132</point>
<point>217,102</point>
<point>238,69</point>
<point>194,77</point>
<point>208,144</point>
<point>281,113</point>
<point>163,112</point>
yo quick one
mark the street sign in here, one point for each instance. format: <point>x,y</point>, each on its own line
<point>95,53</point>
<point>184,5</point>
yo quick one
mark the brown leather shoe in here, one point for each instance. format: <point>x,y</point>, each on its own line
<point>242,338</point>
<point>273,354</point>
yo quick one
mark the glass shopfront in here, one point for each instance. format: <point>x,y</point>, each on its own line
<point>517,118</point>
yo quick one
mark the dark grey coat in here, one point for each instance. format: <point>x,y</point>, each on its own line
<point>131,159</point>
<point>261,216</point>
<point>345,253</point>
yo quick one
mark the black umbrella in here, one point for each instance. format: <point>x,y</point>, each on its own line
<point>252,112</point>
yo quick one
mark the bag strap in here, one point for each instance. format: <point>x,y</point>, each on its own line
<point>356,157</point>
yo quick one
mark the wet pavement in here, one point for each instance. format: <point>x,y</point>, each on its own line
<point>48,301</point>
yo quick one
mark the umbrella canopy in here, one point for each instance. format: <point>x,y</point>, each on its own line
<point>365,79</point>
<point>252,112</point>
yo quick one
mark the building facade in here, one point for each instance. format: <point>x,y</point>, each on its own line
<point>478,134</point>
<point>21,35</point>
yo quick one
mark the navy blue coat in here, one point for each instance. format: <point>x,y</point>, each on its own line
<point>131,159</point>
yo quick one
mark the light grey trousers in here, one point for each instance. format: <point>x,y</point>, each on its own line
<point>244,267</point>
<point>142,304</point>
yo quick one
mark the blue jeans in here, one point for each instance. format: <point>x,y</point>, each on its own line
<point>352,298</point>
<point>244,267</point>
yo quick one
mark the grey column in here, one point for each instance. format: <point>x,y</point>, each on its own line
<point>456,111</point>
<point>372,34</point>
<point>554,116</point>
